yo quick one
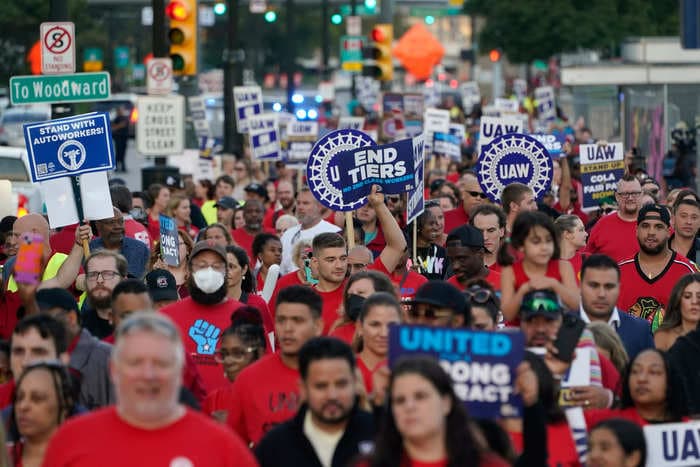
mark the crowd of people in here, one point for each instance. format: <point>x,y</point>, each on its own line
<point>267,341</point>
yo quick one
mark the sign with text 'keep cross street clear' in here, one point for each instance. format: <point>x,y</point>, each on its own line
<point>69,146</point>
<point>161,128</point>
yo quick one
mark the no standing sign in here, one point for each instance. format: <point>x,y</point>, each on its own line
<point>57,48</point>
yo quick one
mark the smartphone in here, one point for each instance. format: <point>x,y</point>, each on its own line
<point>307,270</point>
<point>572,327</point>
<point>27,268</point>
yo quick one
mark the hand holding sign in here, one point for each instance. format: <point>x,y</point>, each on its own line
<point>376,197</point>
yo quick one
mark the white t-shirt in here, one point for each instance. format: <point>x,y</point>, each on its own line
<point>323,443</point>
<point>294,235</point>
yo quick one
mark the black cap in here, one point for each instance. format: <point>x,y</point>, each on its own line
<point>173,181</point>
<point>541,303</point>
<point>258,189</point>
<point>208,245</point>
<point>442,294</point>
<point>654,212</point>
<point>227,203</point>
<point>161,285</point>
<point>56,298</point>
<point>466,235</point>
<point>437,184</point>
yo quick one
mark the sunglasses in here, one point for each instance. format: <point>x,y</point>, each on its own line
<point>393,199</point>
<point>542,304</point>
<point>479,194</point>
<point>429,314</point>
<point>479,295</point>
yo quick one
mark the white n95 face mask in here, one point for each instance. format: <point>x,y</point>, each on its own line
<point>208,280</point>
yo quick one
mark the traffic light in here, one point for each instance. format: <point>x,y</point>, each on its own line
<point>270,16</point>
<point>336,18</point>
<point>495,55</point>
<point>183,36</point>
<point>378,53</point>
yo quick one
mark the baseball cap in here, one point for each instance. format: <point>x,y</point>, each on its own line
<point>442,294</point>
<point>207,245</point>
<point>173,181</point>
<point>161,285</point>
<point>466,235</point>
<point>654,212</point>
<point>227,203</point>
<point>256,188</point>
<point>541,303</point>
<point>56,298</point>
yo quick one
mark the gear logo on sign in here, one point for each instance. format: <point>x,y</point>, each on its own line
<point>323,180</point>
<point>514,158</point>
<point>72,154</point>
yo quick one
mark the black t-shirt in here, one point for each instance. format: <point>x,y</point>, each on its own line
<point>432,262</point>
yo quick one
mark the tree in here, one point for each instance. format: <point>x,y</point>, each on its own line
<point>537,29</point>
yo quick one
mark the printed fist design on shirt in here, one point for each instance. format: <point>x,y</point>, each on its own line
<point>205,335</point>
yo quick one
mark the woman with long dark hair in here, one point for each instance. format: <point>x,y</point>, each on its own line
<point>426,423</point>
<point>682,314</point>
<point>241,284</point>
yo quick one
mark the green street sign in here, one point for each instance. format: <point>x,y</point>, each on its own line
<point>77,87</point>
<point>360,10</point>
<point>92,54</point>
<point>435,11</point>
<point>121,57</point>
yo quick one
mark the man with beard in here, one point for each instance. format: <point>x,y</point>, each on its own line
<point>311,224</point>
<point>646,280</point>
<point>285,198</point>
<point>329,428</point>
<point>204,315</point>
<point>253,213</point>
<point>614,234</point>
<point>103,271</point>
<point>111,237</point>
<point>465,250</point>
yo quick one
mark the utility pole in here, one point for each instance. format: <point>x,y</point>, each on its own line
<point>325,46</point>
<point>58,11</point>
<point>291,55</point>
<point>353,84</point>
<point>233,76</point>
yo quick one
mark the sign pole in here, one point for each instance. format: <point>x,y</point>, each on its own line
<point>350,229</point>
<point>75,183</point>
<point>415,241</point>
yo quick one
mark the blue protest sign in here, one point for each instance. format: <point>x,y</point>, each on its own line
<point>264,136</point>
<point>169,241</point>
<point>482,364</point>
<point>416,198</point>
<point>554,143</point>
<point>601,167</point>
<point>514,158</point>
<point>448,145</point>
<point>69,146</point>
<point>348,173</point>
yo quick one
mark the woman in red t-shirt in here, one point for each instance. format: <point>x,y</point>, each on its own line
<point>572,240</point>
<point>42,401</point>
<point>651,393</point>
<point>378,312</point>
<point>426,423</point>
<point>179,210</point>
<point>535,236</point>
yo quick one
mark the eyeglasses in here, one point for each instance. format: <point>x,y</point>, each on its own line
<point>629,194</point>
<point>475,194</point>
<point>235,354</point>
<point>429,314</point>
<point>542,304</point>
<point>106,275</point>
<point>479,295</point>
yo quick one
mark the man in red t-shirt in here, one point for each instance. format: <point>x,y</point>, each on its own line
<point>206,313</point>
<point>472,195</point>
<point>646,280</point>
<point>465,249</point>
<point>146,371</point>
<point>266,393</point>
<point>253,213</point>
<point>615,235</point>
<point>285,197</point>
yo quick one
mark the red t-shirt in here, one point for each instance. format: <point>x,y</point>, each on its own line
<point>6,391</point>
<point>63,240</point>
<point>287,280</point>
<point>109,441</point>
<point>219,400</point>
<point>201,327</point>
<point>332,302</point>
<point>644,297</point>
<point>521,276</point>
<point>561,449</point>
<point>613,237</point>
<point>610,375</point>
<point>576,262</point>
<point>264,394</point>
<point>136,230</point>
<point>258,302</point>
<point>493,278</point>
<point>9,304</point>
<point>344,332</point>
<point>190,230</point>
<point>244,240</point>
<point>455,218</point>
<point>595,416</point>
<point>367,372</point>
<point>154,230</point>
<point>407,287</point>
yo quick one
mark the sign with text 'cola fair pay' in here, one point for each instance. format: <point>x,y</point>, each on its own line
<point>69,146</point>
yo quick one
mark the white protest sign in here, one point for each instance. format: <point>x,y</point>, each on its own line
<point>579,374</point>
<point>491,128</point>
<point>300,140</point>
<point>57,48</point>
<point>546,108</point>
<point>507,105</point>
<point>352,123</point>
<point>60,202</point>
<point>264,136</point>
<point>579,433</point>
<point>434,121</point>
<point>491,111</point>
<point>248,101</point>
<point>9,205</point>
<point>520,88</point>
<point>199,116</point>
<point>159,76</point>
<point>673,444</point>
<point>471,95</point>
<point>161,128</point>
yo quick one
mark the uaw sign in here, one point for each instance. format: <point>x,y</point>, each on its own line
<point>264,136</point>
<point>69,146</point>
<point>602,165</point>
<point>248,101</point>
<point>416,198</point>
<point>491,128</point>
<point>514,158</point>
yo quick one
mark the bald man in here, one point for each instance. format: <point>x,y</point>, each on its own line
<point>359,257</point>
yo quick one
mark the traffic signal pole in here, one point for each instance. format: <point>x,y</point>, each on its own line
<point>233,76</point>
<point>160,45</point>
<point>291,55</point>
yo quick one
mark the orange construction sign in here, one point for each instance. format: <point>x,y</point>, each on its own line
<point>419,51</point>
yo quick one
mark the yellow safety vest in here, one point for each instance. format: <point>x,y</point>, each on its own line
<point>50,271</point>
<point>209,211</point>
